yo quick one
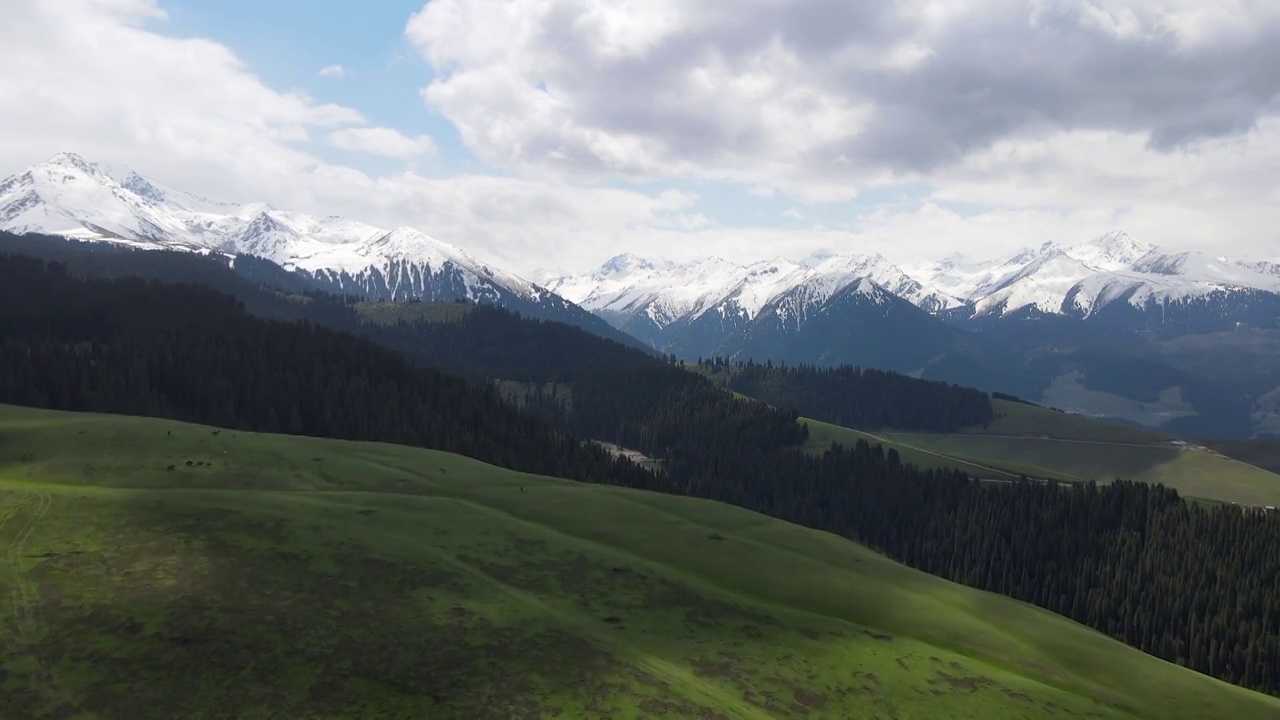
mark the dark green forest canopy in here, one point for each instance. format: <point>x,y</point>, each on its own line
<point>184,352</point>
<point>856,397</point>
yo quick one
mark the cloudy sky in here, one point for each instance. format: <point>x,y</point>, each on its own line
<point>553,134</point>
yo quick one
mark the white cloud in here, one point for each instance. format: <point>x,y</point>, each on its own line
<point>817,97</point>
<point>383,141</point>
<point>189,113</point>
<point>1159,113</point>
<point>84,76</point>
<point>332,71</point>
<point>735,99</point>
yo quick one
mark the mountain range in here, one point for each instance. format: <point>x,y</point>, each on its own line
<point>1111,327</point>
<point>657,300</point>
<point>71,197</point>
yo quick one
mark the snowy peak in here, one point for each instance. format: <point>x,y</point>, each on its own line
<point>1114,251</point>
<point>71,162</point>
<point>629,264</point>
<point>143,188</point>
<point>70,196</point>
<point>658,294</point>
<point>1083,278</point>
<point>264,236</point>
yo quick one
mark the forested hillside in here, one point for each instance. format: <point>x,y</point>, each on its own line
<point>856,397</point>
<point>482,342</point>
<point>185,352</point>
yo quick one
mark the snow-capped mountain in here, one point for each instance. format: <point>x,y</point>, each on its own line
<point>655,299</point>
<point>646,297</point>
<point>1084,279</point>
<point>1027,323</point>
<point>833,322</point>
<point>71,197</point>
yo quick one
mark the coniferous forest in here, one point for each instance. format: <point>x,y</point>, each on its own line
<point>857,397</point>
<point>183,352</point>
<point>1193,584</point>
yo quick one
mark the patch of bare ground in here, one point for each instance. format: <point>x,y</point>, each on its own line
<point>808,700</point>
<point>726,666</point>
<point>866,684</point>
<point>770,701</point>
<point>959,684</point>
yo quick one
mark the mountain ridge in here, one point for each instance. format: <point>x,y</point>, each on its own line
<point>1112,278</point>
<point>68,196</point>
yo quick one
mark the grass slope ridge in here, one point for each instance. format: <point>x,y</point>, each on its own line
<point>1014,418</point>
<point>270,575</point>
<point>1049,445</point>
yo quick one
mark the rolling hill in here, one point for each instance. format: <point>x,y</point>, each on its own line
<point>249,575</point>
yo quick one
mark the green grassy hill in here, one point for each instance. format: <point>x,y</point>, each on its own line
<point>390,313</point>
<point>156,569</point>
<point>1042,443</point>
<point>822,434</point>
<point>1013,418</point>
<point>1260,453</point>
<point>1192,472</point>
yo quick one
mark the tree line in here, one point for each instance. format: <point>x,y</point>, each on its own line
<point>857,397</point>
<point>1195,585</point>
<point>184,352</point>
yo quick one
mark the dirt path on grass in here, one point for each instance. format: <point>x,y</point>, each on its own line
<point>886,442</point>
<point>25,600</point>
<point>1050,438</point>
<point>27,611</point>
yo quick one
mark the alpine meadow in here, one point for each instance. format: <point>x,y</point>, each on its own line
<point>568,360</point>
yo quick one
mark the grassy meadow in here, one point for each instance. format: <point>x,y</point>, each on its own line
<point>1013,418</point>
<point>1045,444</point>
<point>1193,473</point>
<point>157,569</point>
<point>1260,453</point>
<point>390,313</point>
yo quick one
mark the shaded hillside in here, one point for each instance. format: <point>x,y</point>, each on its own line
<point>266,288</point>
<point>185,352</point>
<point>858,398</point>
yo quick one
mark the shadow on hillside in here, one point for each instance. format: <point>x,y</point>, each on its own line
<point>236,606</point>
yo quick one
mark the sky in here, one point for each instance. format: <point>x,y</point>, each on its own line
<point>549,135</point>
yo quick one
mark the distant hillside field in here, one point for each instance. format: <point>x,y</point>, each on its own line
<point>1262,453</point>
<point>1194,473</point>
<point>822,434</point>
<point>1013,418</point>
<point>1048,445</point>
<point>161,569</point>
